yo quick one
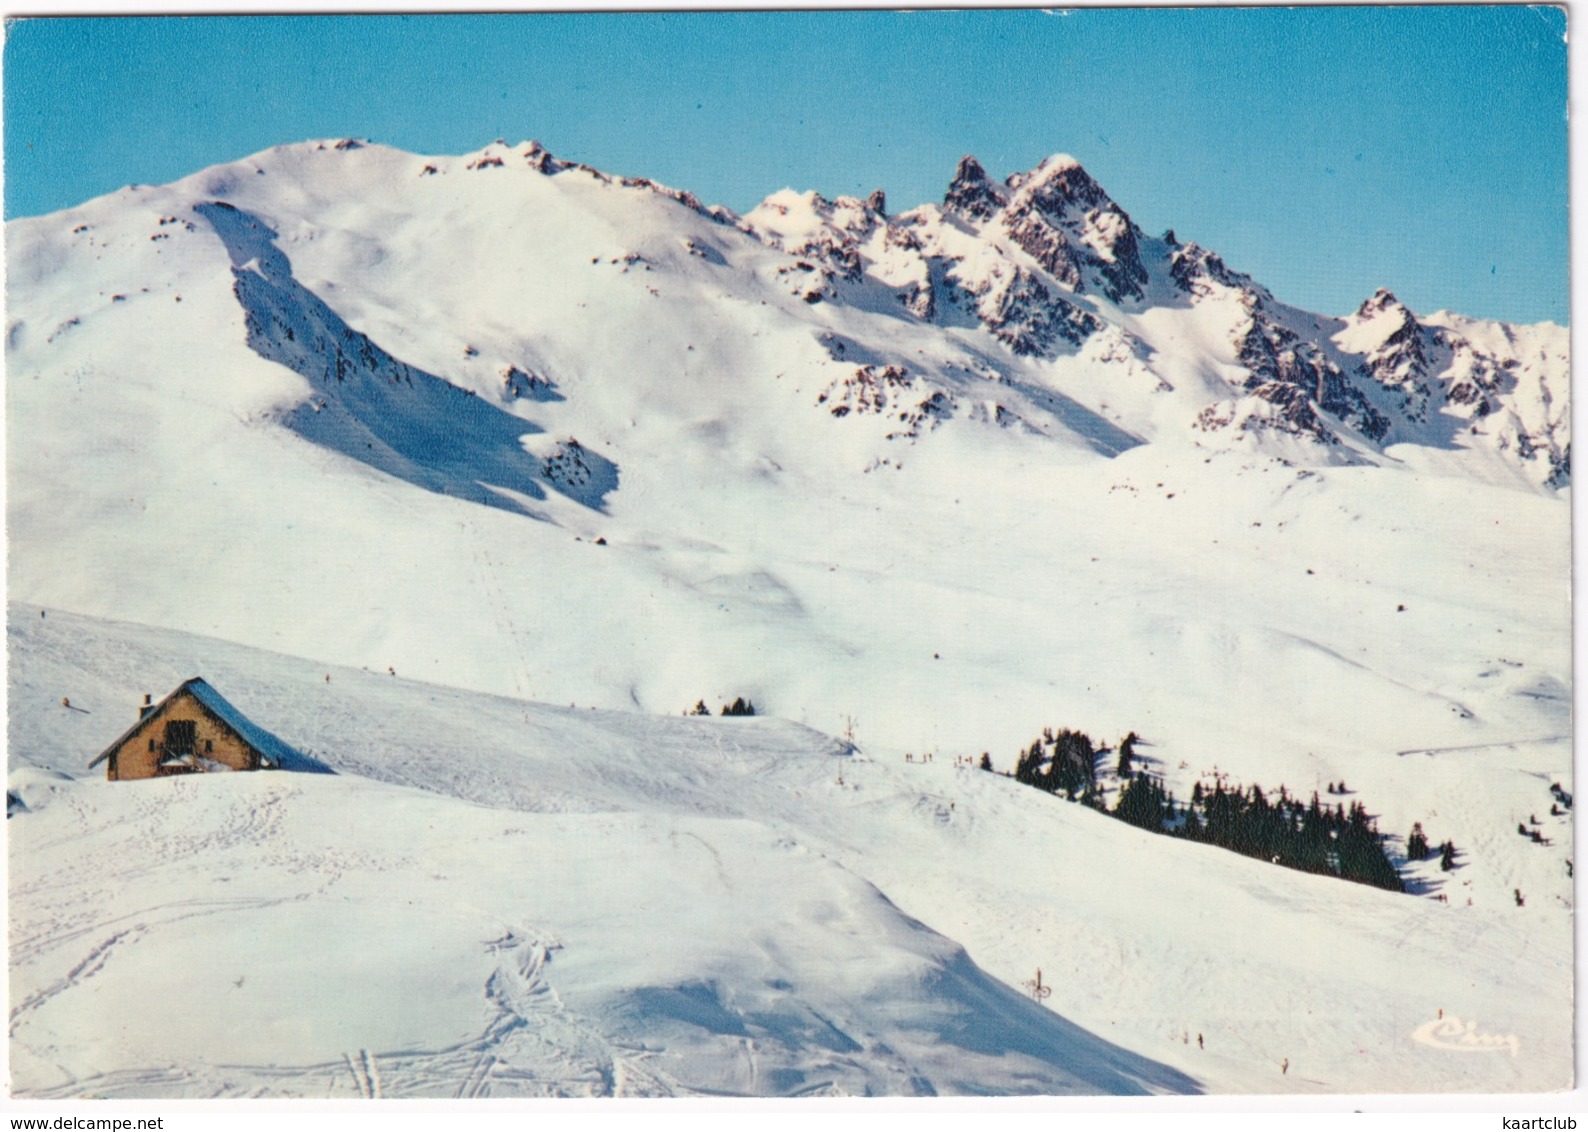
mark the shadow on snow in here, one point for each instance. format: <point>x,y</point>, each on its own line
<point>382,411</point>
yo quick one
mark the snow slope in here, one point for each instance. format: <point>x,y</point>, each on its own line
<point>497,897</point>
<point>200,412</point>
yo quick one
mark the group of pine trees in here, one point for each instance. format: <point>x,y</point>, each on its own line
<point>1417,848</point>
<point>1064,763</point>
<point>1311,837</point>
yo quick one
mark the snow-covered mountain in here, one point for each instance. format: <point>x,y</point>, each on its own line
<point>220,386</point>
<point>936,479</point>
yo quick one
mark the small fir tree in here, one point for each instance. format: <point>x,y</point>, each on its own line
<point>1417,843</point>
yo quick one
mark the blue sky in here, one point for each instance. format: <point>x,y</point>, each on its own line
<point>1327,151</point>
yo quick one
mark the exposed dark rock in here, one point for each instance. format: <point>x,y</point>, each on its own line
<point>1276,360</point>
<point>1067,223</point>
<point>971,194</point>
<point>1194,268</point>
<point>1048,245</point>
<point>1031,320</point>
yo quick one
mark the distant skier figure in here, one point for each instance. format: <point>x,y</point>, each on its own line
<point>1199,1041</point>
<point>1284,1066</point>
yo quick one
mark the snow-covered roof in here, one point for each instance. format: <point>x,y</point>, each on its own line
<point>273,752</point>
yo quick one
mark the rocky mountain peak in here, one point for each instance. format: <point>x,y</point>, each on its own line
<point>1383,301</point>
<point>541,159</point>
<point>1064,220</point>
<point>1396,351</point>
<point>971,193</point>
<point>1059,185</point>
<point>1385,328</point>
<point>1195,270</point>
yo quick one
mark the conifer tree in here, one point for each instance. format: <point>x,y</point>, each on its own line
<point>1141,804</point>
<point>1127,753</point>
<point>1028,763</point>
<point>1417,843</point>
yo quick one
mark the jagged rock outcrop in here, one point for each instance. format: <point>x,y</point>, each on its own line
<point>971,194</point>
<point>1195,269</point>
<point>1400,362</point>
<point>1299,380</point>
<point>889,391</point>
<point>1021,312</point>
<point>1065,220</point>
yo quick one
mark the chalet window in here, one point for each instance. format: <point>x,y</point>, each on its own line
<point>181,737</point>
<point>209,746</point>
<point>151,744</point>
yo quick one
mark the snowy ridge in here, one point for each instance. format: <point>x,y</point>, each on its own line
<point>606,355</point>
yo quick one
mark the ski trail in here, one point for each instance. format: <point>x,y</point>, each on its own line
<point>529,1046</point>
<point>497,598</point>
<point>366,1077</point>
<point>358,1078</point>
<point>371,1074</point>
<point>474,1084</point>
<point>1485,746</point>
<point>89,966</point>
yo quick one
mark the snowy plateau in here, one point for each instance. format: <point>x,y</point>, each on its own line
<point>468,477</point>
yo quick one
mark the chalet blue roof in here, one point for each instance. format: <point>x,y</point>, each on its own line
<point>275,752</point>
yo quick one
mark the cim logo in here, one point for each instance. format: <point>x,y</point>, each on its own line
<point>1464,1037</point>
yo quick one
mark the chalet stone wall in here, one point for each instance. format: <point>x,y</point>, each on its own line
<point>214,740</point>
